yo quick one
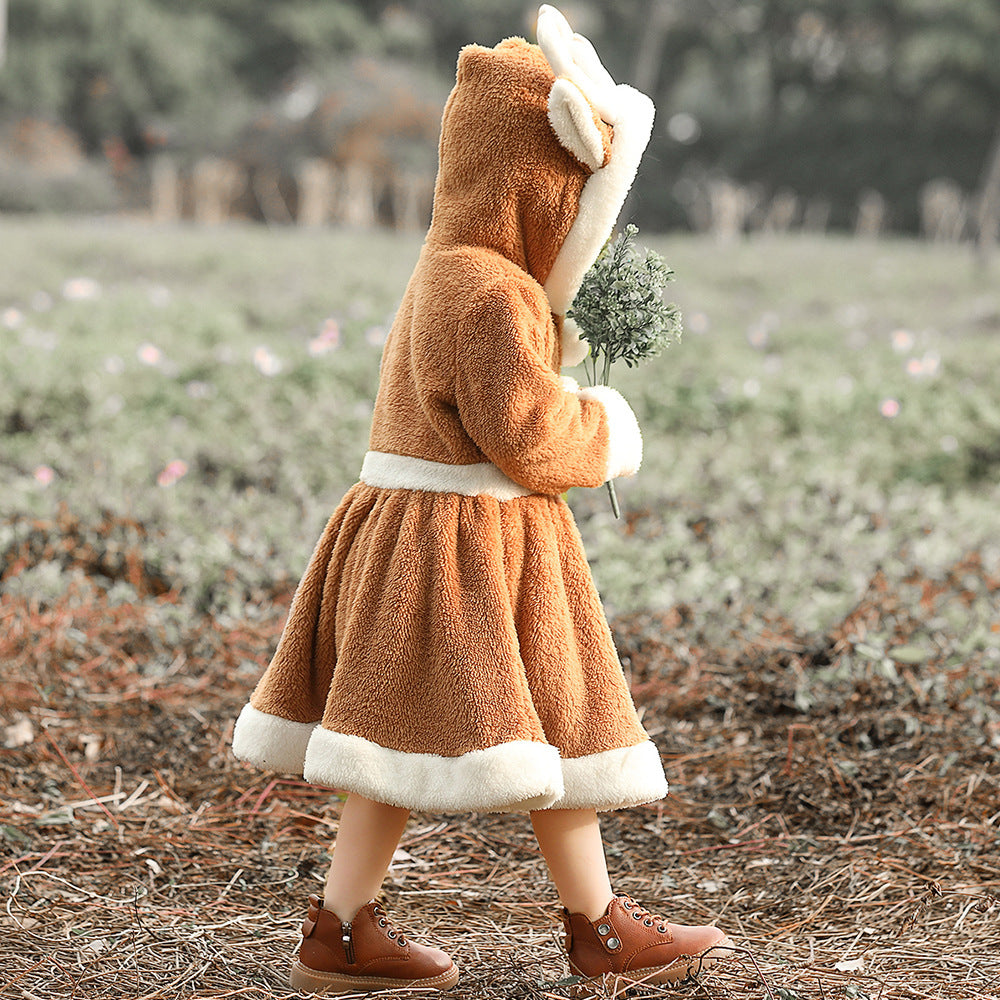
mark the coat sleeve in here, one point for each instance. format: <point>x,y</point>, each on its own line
<point>517,410</point>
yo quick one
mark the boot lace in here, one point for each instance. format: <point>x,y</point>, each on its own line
<point>385,923</point>
<point>640,913</point>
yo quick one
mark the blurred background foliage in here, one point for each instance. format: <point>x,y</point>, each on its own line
<point>826,99</point>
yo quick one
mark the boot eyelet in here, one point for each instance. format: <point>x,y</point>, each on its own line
<point>637,915</point>
<point>647,922</point>
<point>392,934</point>
<point>613,943</point>
<point>603,929</point>
<point>382,922</point>
<point>628,904</point>
<point>662,928</point>
<point>401,942</point>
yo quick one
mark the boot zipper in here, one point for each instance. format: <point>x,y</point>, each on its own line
<point>345,930</point>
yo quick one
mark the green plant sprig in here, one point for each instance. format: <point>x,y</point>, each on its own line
<point>620,308</point>
<point>621,311</point>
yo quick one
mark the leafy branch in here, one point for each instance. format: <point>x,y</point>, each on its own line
<point>621,312</point>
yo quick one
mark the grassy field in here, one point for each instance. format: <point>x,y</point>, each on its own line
<point>832,409</point>
<point>804,589</point>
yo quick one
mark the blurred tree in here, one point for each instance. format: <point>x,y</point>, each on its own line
<point>988,202</point>
<point>824,99</point>
<point>3,32</point>
<point>109,68</point>
<point>129,69</point>
<point>832,97</point>
<point>276,40</point>
<point>459,22</point>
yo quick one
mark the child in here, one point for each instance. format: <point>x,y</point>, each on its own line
<point>446,649</point>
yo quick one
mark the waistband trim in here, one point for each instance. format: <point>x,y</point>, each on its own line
<point>401,472</point>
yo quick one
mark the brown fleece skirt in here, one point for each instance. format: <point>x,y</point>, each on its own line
<point>437,625</point>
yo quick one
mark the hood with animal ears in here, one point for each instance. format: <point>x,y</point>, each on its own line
<point>504,181</point>
<point>539,147</point>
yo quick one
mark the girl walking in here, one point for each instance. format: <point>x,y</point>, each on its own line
<point>446,649</point>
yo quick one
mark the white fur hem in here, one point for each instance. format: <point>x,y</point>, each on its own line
<point>614,779</point>
<point>271,742</point>
<point>402,472</point>
<point>624,436</point>
<point>512,777</point>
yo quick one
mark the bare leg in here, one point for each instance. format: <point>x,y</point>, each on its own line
<point>366,839</point>
<point>570,840</point>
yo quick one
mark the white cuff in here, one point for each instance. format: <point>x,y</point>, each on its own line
<point>624,436</point>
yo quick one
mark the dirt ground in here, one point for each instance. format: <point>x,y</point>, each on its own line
<point>835,805</point>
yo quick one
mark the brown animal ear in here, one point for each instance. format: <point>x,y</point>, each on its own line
<point>577,126</point>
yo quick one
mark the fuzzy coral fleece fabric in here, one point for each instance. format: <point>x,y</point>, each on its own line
<point>448,651</point>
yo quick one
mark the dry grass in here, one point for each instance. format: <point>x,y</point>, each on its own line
<point>852,850</point>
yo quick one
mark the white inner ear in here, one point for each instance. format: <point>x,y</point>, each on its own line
<point>572,120</point>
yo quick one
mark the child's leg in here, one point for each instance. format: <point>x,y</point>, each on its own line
<point>349,944</point>
<point>614,934</point>
<point>571,843</point>
<point>366,839</point>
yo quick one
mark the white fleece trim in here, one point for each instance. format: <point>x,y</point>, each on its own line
<point>572,120</point>
<point>401,472</point>
<point>614,779</point>
<point>270,742</point>
<point>574,347</point>
<point>624,436</point>
<point>512,777</point>
<point>601,199</point>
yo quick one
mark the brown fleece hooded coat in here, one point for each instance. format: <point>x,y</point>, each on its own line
<point>446,648</point>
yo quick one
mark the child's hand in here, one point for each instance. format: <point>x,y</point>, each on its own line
<point>624,436</point>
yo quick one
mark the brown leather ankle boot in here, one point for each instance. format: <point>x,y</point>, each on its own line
<point>366,953</point>
<point>631,942</point>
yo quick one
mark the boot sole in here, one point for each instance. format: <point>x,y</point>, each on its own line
<point>307,980</point>
<point>680,968</point>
